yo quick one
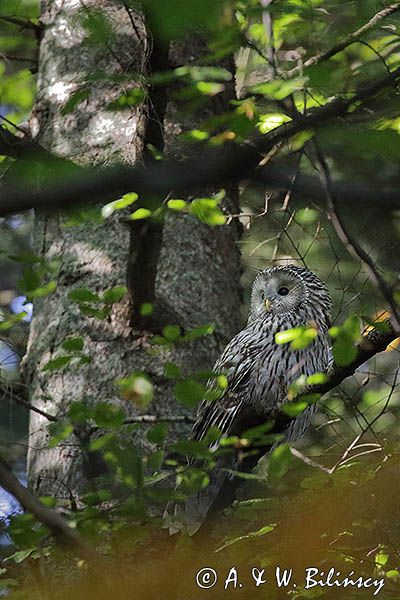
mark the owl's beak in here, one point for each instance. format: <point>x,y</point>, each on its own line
<point>267,304</point>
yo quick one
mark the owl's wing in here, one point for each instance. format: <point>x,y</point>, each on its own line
<point>237,364</point>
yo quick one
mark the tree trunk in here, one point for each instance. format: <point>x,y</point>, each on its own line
<point>189,271</point>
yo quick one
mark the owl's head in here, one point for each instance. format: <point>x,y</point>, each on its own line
<point>286,289</point>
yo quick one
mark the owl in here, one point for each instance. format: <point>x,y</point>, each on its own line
<point>258,372</point>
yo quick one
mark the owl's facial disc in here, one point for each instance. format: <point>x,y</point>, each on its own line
<point>282,292</point>
<point>277,291</point>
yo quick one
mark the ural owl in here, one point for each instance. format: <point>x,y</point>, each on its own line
<point>259,372</point>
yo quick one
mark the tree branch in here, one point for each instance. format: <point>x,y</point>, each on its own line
<point>8,392</point>
<point>23,147</point>
<point>59,527</point>
<point>217,167</point>
<point>346,41</point>
<point>278,178</point>
<point>372,343</point>
<point>23,23</point>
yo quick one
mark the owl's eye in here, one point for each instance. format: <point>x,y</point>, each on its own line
<point>283,291</point>
<point>262,296</point>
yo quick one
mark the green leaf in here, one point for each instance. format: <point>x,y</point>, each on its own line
<point>158,340</point>
<point>43,290</point>
<point>74,100</point>
<point>258,431</point>
<point>270,121</point>
<point>381,557</point>
<point>57,363</point>
<point>48,501</point>
<point>300,337</point>
<point>189,392</point>
<point>140,213</point>
<point>12,320</point>
<point>317,379</point>
<point>392,574</point>
<point>132,97</point>
<point>307,216</point>
<point>158,433</point>
<point>127,464</point>
<point>191,448</point>
<point>279,89</point>
<point>125,201</point>
<point>199,332</point>
<point>74,344</point>
<point>279,462</point>
<point>155,459</point>
<point>83,295</point>
<point>383,326</point>
<point>178,205</point>
<point>208,211</point>
<point>30,280</point>
<point>59,433</point>
<point>108,416</point>
<point>79,412</point>
<point>101,442</point>
<point>21,555</point>
<point>115,294</point>
<point>146,309</point>
<point>294,409</point>
<point>192,480</point>
<point>95,498</point>
<point>171,370</point>
<point>98,27</point>
<point>26,258</point>
<point>171,333</point>
<point>343,350</point>
<point>96,313</point>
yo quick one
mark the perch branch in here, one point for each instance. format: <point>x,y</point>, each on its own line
<point>374,342</point>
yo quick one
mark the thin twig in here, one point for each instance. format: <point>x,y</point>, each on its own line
<point>353,246</point>
<point>160,419</point>
<point>309,461</point>
<point>346,41</point>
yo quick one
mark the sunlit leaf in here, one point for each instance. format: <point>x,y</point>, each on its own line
<point>189,392</point>
<point>279,462</point>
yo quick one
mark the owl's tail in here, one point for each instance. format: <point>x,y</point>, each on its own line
<point>201,510</point>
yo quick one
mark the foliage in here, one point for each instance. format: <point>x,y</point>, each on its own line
<point>280,79</point>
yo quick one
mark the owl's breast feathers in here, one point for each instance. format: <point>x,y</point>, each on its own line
<point>259,372</point>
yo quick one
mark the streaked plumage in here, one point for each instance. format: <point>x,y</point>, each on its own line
<point>259,372</point>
